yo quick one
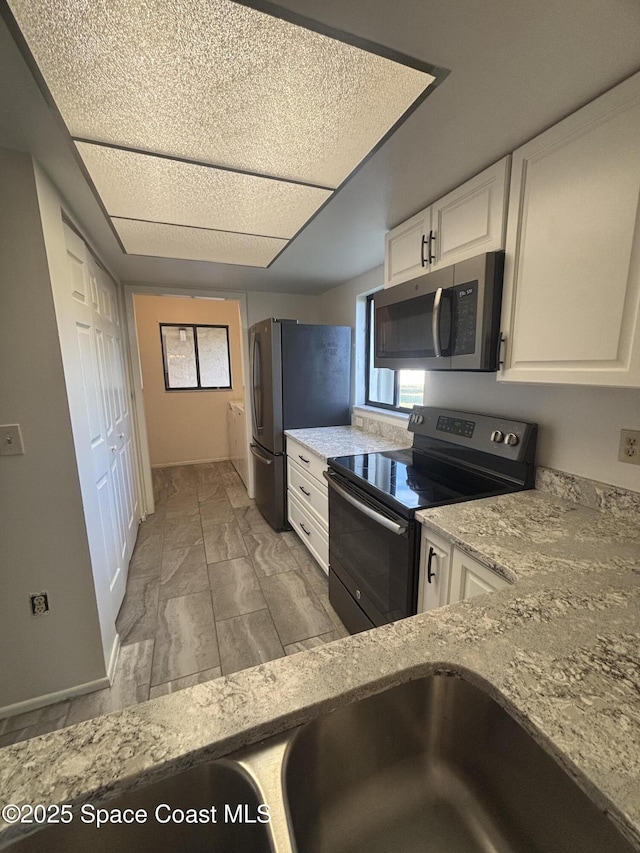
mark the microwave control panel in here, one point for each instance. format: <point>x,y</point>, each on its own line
<point>465,313</point>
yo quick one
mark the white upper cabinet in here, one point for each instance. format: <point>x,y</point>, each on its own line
<point>466,222</point>
<point>572,268</point>
<point>407,249</point>
<point>471,219</point>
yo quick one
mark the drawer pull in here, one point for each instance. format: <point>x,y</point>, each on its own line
<point>306,461</point>
<point>304,491</point>
<point>308,532</point>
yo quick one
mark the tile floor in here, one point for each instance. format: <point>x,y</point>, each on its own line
<point>212,589</point>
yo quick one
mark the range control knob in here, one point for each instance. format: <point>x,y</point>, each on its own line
<point>419,419</point>
<point>497,435</point>
<point>511,439</point>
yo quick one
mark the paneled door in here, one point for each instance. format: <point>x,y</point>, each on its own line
<point>116,407</point>
<point>100,412</point>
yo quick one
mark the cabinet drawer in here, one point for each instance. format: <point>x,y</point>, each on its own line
<point>308,461</point>
<point>310,494</point>
<point>312,535</point>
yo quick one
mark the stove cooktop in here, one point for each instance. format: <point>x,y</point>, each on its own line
<point>409,480</point>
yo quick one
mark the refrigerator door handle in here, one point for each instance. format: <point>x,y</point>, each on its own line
<point>256,390</point>
<point>255,452</point>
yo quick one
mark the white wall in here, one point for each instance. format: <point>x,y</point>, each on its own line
<point>340,306</point>
<point>284,306</point>
<point>43,542</point>
<point>579,426</point>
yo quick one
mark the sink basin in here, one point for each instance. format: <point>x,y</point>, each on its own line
<point>434,765</point>
<point>198,788</point>
<point>431,766</point>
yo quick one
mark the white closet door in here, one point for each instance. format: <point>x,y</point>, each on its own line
<point>91,369</point>
<point>117,407</point>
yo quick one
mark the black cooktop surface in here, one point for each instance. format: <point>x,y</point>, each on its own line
<point>409,479</point>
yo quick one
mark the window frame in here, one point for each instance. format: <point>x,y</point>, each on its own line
<point>367,368</point>
<point>195,327</point>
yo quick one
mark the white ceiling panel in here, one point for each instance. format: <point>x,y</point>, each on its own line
<point>141,186</point>
<point>217,82</point>
<point>198,244</point>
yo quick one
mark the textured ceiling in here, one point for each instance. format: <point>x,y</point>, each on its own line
<point>291,111</point>
<point>516,68</point>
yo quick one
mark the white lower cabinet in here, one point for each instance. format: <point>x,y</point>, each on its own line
<point>313,536</point>
<point>470,578</point>
<point>448,574</point>
<point>435,567</point>
<point>308,500</point>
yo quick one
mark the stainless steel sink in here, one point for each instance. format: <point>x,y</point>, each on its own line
<point>434,765</point>
<point>218,783</point>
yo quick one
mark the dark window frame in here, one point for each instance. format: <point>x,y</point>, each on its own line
<point>393,407</point>
<point>195,327</point>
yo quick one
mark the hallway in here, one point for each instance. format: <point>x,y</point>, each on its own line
<point>212,589</point>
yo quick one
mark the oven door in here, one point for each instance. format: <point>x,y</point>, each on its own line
<point>372,558</point>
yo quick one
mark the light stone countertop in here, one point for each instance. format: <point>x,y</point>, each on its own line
<point>559,649</point>
<point>343,441</point>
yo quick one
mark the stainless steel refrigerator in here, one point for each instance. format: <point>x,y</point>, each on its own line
<point>300,378</point>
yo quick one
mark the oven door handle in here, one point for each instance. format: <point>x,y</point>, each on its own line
<point>393,526</point>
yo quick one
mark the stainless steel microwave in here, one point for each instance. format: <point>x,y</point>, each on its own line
<point>448,319</point>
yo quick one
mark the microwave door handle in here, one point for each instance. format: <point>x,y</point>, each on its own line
<point>435,323</point>
<point>399,529</point>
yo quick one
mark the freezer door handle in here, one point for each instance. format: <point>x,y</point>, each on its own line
<point>255,452</point>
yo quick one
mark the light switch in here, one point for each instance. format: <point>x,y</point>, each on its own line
<point>11,440</point>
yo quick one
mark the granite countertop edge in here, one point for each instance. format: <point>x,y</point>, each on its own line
<point>325,442</point>
<point>555,649</point>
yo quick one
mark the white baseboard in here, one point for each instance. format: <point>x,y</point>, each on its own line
<point>191,462</point>
<point>52,698</point>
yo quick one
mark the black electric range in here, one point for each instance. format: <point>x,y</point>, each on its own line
<point>373,536</point>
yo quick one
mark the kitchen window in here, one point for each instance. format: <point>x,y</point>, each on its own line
<point>389,389</point>
<point>195,357</point>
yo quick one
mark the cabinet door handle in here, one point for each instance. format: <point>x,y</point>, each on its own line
<point>499,342</point>
<point>430,574</point>
<point>308,532</point>
<point>300,456</point>
<point>432,239</point>
<point>304,491</point>
<point>424,261</point>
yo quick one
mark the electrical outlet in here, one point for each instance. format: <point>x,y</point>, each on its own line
<point>11,440</point>
<point>39,603</point>
<point>358,421</point>
<point>629,450</point>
